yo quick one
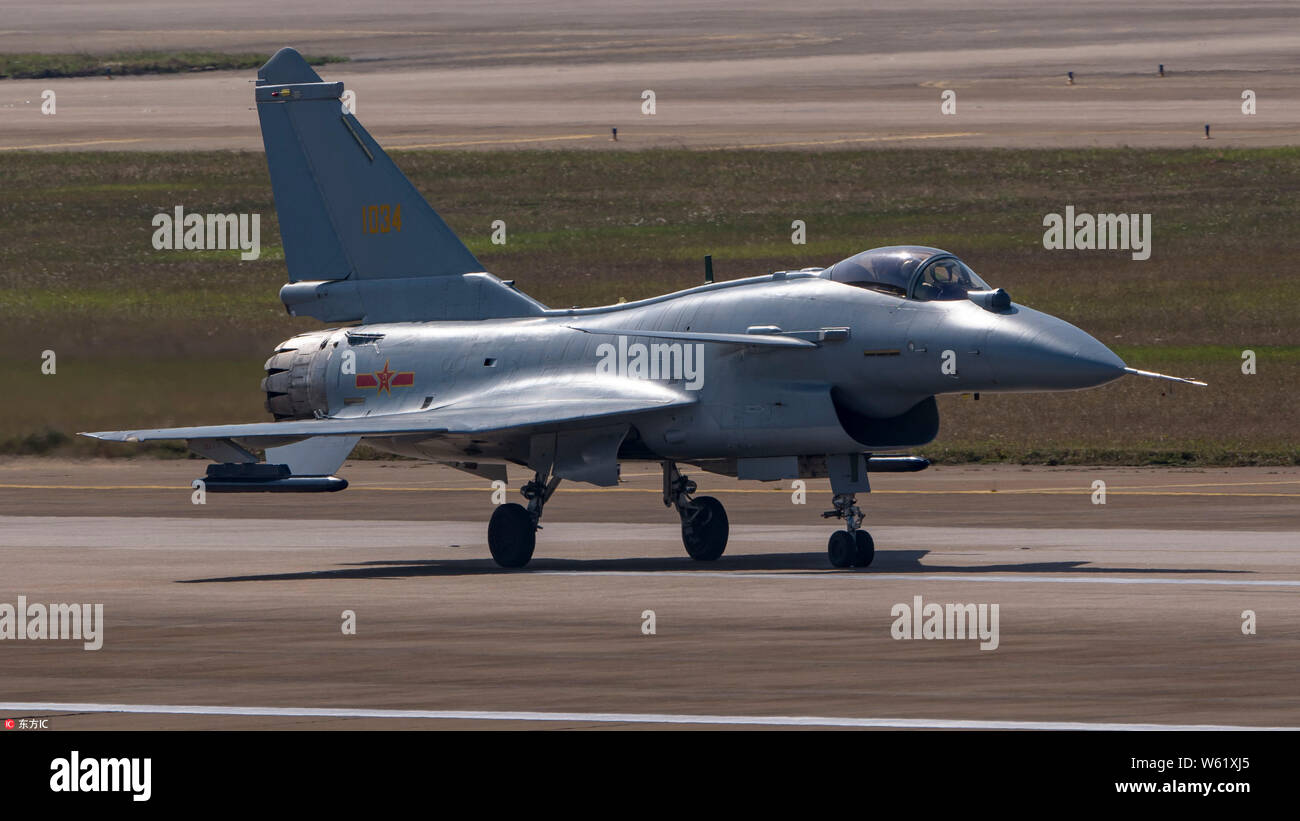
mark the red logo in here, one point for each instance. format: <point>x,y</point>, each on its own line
<point>9,723</point>
<point>386,380</point>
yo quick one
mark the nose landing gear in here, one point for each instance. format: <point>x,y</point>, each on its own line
<point>850,547</point>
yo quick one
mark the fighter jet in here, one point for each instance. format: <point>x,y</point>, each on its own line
<point>813,373</point>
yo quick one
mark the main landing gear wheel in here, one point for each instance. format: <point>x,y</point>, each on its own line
<point>512,535</point>
<point>705,529</point>
<point>704,520</point>
<point>512,530</point>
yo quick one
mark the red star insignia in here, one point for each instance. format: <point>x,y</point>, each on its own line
<point>385,380</point>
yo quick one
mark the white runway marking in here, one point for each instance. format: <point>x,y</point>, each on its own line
<point>211,533</point>
<point>607,718</point>
<point>460,540</point>
<point>920,575</point>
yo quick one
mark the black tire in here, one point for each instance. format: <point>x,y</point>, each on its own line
<point>511,535</point>
<point>865,548</point>
<point>841,549</point>
<point>705,529</point>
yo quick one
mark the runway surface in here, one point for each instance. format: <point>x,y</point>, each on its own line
<point>228,614</point>
<point>816,76</point>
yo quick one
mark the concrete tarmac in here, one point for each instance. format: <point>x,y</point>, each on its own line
<point>765,74</point>
<point>229,614</point>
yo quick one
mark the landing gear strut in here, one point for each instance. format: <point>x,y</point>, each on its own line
<point>512,531</point>
<point>850,547</point>
<point>704,519</point>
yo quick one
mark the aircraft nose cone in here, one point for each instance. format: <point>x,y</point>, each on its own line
<point>1031,351</point>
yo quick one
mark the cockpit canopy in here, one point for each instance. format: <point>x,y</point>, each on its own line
<point>908,271</point>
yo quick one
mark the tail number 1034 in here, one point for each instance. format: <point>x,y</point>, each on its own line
<point>381,219</point>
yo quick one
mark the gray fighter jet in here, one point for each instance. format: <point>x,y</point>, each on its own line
<point>798,374</point>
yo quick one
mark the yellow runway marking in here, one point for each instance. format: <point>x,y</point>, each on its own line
<point>1224,484</point>
<point>1126,490</point>
<point>1088,492</point>
<point>867,139</point>
<point>1123,487</point>
<point>723,491</point>
<point>1135,491</point>
<point>497,142</point>
<point>69,145</point>
<point>93,487</point>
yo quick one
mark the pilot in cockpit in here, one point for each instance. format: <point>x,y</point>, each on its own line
<point>945,279</point>
<point>893,270</point>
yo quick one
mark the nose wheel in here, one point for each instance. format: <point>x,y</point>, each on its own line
<point>866,548</point>
<point>850,547</point>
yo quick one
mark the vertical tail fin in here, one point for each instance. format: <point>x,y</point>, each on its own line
<point>345,209</point>
<point>348,215</point>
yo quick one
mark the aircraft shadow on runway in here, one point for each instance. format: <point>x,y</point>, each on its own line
<point>812,563</point>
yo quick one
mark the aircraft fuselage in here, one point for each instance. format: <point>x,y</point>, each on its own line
<point>861,387</point>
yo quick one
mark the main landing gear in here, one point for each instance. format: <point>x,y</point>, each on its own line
<point>512,530</point>
<point>849,547</point>
<point>704,519</point>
